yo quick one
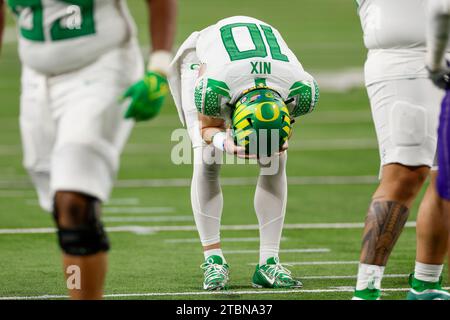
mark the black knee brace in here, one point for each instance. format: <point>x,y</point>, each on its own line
<point>86,236</point>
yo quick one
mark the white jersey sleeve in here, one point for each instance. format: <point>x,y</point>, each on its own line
<point>176,71</point>
<point>59,36</point>
<point>240,53</point>
<point>438,29</point>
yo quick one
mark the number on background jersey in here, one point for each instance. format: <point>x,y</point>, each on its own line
<point>256,35</point>
<point>77,22</point>
<point>30,18</point>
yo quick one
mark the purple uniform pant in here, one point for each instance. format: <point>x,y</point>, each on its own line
<point>443,180</point>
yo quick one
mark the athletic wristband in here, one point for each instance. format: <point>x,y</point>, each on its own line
<point>160,61</point>
<point>219,140</point>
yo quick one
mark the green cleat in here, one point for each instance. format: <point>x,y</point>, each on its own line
<point>423,290</point>
<point>367,294</point>
<point>215,273</point>
<point>274,275</point>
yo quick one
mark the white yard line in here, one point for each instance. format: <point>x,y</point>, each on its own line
<point>351,277</point>
<point>340,81</point>
<point>123,202</point>
<point>306,250</point>
<point>304,145</point>
<point>315,263</point>
<point>23,182</point>
<point>111,202</point>
<point>299,144</point>
<point>151,229</point>
<point>245,181</point>
<point>148,219</point>
<point>334,144</point>
<point>195,240</point>
<point>137,210</point>
<point>206,293</point>
<point>16,194</point>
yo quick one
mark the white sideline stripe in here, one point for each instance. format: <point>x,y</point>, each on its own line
<point>148,219</point>
<point>137,210</point>
<point>22,182</point>
<point>318,250</point>
<point>142,229</point>
<point>111,202</point>
<point>205,293</point>
<point>303,145</point>
<point>123,202</point>
<point>244,181</point>
<point>16,194</point>
<point>352,277</point>
<point>195,240</point>
<point>342,80</point>
<point>338,144</point>
<point>315,263</point>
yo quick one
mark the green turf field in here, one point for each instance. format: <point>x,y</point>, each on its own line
<point>332,168</point>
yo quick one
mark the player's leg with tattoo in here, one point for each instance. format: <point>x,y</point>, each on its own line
<point>386,217</point>
<point>406,161</point>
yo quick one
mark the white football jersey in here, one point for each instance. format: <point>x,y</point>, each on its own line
<point>394,33</point>
<point>57,36</point>
<point>240,53</point>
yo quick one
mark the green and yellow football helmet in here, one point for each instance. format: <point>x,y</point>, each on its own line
<point>261,122</point>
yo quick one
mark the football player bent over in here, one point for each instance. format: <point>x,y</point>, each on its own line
<point>240,73</point>
<point>79,58</point>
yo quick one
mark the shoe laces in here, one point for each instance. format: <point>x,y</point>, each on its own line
<point>278,271</point>
<point>213,271</point>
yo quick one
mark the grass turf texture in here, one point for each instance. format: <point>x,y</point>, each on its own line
<point>325,36</point>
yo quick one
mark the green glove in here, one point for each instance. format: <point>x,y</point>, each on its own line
<point>147,97</point>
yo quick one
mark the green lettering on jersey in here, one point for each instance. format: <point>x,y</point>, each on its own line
<point>275,49</point>
<point>232,48</point>
<point>260,67</point>
<point>256,35</point>
<point>77,22</point>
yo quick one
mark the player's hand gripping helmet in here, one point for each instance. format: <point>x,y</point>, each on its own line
<point>261,122</point>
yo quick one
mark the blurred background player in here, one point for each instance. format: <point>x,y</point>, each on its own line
<point>438,24</point>
<point>405,109</point>
<point>78,59</point>
<point>237,63</point>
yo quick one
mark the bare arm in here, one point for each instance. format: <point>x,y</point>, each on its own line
<point>210,126</point>
<point>2,21</point>
<point>162,24</point>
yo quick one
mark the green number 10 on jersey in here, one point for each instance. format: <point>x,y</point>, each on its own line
<point>260,50</point>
